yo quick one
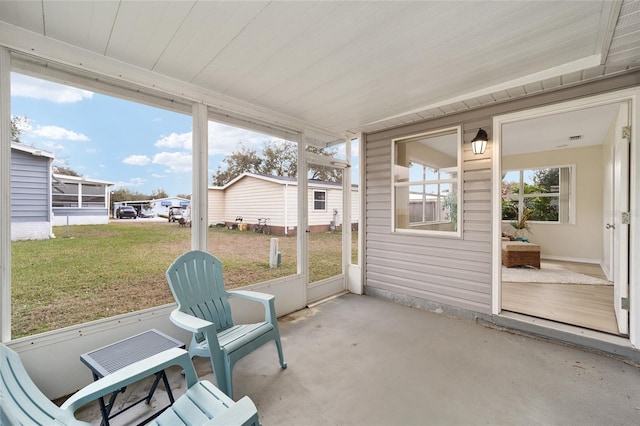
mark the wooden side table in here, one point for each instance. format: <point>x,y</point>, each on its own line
<point>515,253</point>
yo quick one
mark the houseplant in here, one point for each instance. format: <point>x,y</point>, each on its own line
<point>522,223</point>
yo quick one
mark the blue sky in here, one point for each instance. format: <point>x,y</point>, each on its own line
<point>132,145</point>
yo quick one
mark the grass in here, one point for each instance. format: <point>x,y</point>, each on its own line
<point>98,271</point>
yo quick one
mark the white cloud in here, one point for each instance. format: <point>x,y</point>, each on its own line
<point>135,182</point>
<point>57,133</point>
<point>137,160</point>
<point>225,139</point>
<point>29,87</point>
<point>175,140</point>
<point>53,147</point>
<point>176,162</point>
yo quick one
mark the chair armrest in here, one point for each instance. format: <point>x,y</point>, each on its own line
<point>252,295</point>
<point>199,325</point>
<point>189,322</point>
<point>243,412</point>
<point>268,300</point>
<point>131,374</point>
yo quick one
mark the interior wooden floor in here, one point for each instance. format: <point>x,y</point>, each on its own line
<point>589,306</point>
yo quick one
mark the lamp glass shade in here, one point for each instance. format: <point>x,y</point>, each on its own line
<point>479,143</point>
<point>479,146</point>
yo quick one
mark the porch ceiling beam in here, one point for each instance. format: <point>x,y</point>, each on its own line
<point>608,27</point>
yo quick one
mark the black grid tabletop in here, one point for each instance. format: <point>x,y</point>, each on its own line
<point>110,358</point>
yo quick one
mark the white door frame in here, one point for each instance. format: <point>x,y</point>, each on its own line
<point>339,283</point>
<point>627,95</point>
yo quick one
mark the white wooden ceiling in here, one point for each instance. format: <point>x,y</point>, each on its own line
<point>344,66</point>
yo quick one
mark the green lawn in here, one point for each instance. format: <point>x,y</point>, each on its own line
<point>97,271</point>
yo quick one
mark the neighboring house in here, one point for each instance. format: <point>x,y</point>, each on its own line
<point>153,208</point>
<point>76,200</point>
<point>254,196</point>
<point>30,193</point>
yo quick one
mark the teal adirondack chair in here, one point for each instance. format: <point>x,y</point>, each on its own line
<point>196,282</point>
<point>22,403</point>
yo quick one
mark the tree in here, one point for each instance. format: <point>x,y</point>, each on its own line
<point>159,193</point>
<point>238,162</point>
<point>324,173</point>
<point>62,170</point>
<point>279,159</point>
<point>186,196</point>
<point>275,159</point>
<point>19,125</point>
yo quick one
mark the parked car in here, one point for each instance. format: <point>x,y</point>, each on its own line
<point>175,213</point>
<point>127,211</point>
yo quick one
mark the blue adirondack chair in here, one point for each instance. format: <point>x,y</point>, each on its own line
<point>22,403</point>
<point>196,282</point>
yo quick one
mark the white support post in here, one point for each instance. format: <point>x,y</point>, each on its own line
<point>200,178</point>
<point>362,203</point>
<point>303,220</point>
<point>5,195</point>
<point>346,214</point>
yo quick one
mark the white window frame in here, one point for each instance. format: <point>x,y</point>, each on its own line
<point>456,183</point>
<point>563,218</point>
<point>318,191</point>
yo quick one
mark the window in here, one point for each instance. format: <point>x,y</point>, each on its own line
<point>426,184</point>
<point>544,194</point>
<point>93,196</point>
<point>65,195</point>
<point>68,194</point>
<point>319,200</point>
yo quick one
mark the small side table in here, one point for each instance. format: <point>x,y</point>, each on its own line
<point>110,358</point>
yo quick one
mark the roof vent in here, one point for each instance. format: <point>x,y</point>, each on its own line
<point>576,137</point>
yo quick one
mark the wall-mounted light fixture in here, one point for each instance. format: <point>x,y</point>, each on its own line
<point>479,143</point>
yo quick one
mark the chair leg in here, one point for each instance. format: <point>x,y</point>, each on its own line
<point>283,364</point>
<point>229,379</point>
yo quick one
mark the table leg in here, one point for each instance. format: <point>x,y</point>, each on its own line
<point>167,387</point>
<point>153,387</point>
<point>163,376</point>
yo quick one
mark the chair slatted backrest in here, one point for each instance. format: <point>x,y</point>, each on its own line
<point>20,399</point>
<point>196,281</point>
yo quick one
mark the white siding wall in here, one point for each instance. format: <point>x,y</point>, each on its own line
<point>449,271</point>
<point>334,201</point>
<point>252,198</point>
<point>291,219</point>
<point>215,199</point>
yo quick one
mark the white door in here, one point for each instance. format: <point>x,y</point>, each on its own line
<point>328,227</point>
<point>618,228</point>
<point>607,210</point>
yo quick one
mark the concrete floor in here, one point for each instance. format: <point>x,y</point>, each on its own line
<point>359,360</point>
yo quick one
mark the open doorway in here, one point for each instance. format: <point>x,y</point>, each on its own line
<point>563,240</point>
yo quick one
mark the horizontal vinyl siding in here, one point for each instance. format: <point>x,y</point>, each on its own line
<point>290,194</point>
<point>450,271</point>
<point>334,201</point>
<point>215,206</point>
<point>455,272</point>
<point>252,198</point>
<point>30,188</point>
